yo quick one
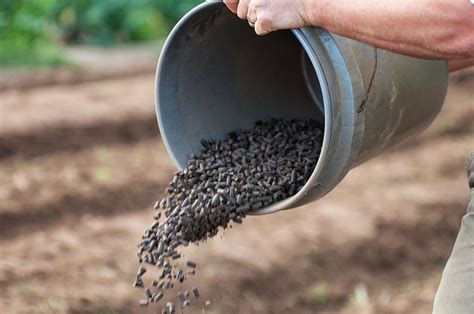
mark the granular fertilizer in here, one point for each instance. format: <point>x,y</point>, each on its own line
<point>246,171</point>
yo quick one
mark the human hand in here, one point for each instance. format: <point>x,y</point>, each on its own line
<point>271,15</point>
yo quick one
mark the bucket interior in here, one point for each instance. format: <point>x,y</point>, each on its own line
<point>216,76</point>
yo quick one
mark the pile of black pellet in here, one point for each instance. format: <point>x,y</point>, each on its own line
<point>246,171</point>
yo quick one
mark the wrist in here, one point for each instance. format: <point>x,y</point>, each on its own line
<point>315,12</point>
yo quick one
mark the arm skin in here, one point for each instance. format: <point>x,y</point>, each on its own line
<point>428,29</point>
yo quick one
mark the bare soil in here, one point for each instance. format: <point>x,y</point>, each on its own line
<point>82,164</point>
<point>86,64</point>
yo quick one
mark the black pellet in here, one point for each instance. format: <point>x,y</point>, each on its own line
<point>160,247</point>
<point>293,176</point>
<point>292,189</point>
<point>243,208</point>
<point>185,202</point>
<point>148,293</point>
<point>138,283</point>
<point>181,297</point>
<point>180,276</point>
<point>196,293</point>
<point>160,284</point>
<point>191,264</point>
<point>158,297</point>
<point>162,204</point>
<point>170,307</point>
<point>215,200</point>
<point>154,225</point>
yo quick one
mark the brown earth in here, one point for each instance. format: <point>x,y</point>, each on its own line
<point>86,64</point>
<point>81,166</point>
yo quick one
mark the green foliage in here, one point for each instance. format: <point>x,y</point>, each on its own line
<point>173,10</point>
<point>30,29</point>
<point>106,22</point>
<point>26,33</point>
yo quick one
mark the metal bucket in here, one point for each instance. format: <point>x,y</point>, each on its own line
<point>216,75</point>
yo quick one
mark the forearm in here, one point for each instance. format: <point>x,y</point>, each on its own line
<point>430,29</point>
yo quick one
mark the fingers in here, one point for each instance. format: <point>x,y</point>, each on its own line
<point>252,16</point>
<point>243,9</point>
<point>232,5</point>
<point>246,11</point>
<point>261,29</point>
<point>264,25</point>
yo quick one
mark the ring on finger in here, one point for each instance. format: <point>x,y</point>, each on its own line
<point>251,22</point>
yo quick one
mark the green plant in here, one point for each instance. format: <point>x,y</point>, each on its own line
<point>110,21</point>
<point>26,34</point>
<point>30,29</point>
<point>173,10</point>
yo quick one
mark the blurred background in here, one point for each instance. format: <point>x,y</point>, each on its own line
<point>82,162</point>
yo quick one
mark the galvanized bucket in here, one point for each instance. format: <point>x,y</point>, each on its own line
<point>216,75</point>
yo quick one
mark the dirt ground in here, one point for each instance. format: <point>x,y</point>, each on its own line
<point>82,164</point>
